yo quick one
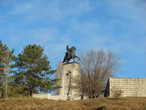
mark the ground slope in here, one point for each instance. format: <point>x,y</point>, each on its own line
<point>94,104</point>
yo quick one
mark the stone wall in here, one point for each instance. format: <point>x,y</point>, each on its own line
<point>127,87</point>
<point>48,96</point>
<point>41,96</point>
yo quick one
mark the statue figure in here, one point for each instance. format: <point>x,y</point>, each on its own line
<point>70,54</point>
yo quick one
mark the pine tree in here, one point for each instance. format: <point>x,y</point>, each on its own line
<point>1,66</point>
<point>33,71</point>
<point>6,57</point>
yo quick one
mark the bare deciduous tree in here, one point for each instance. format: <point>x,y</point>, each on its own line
<point>96,68</point>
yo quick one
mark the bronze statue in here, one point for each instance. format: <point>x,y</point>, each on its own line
<point>70,54</point>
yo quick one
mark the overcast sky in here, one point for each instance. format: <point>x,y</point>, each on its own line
<point>115,25</point>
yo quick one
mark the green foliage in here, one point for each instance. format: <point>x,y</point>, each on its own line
<point>6,57</point>
<point>33,71</point>
<point>29,72</point>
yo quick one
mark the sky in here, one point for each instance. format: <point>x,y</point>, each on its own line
<point>112,25</point>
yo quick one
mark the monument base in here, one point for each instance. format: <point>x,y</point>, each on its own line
<point>70,90</point>
<point>70,74</point>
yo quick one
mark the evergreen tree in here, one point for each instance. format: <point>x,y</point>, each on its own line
<point>33,71</point>
<point>6,57</point>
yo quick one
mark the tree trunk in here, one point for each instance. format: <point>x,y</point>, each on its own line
<point>30,92</point>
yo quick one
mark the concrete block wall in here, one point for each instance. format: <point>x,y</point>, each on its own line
<point>129,87</point>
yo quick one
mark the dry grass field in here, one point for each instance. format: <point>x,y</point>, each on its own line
<point>26,103</point>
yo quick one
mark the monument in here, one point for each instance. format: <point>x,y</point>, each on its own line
<point>70,54</point>
<point>69,75</point>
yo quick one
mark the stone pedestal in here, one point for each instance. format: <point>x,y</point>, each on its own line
<point>70,74</point>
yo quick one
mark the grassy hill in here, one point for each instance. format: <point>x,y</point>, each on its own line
<point>92,104</point>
